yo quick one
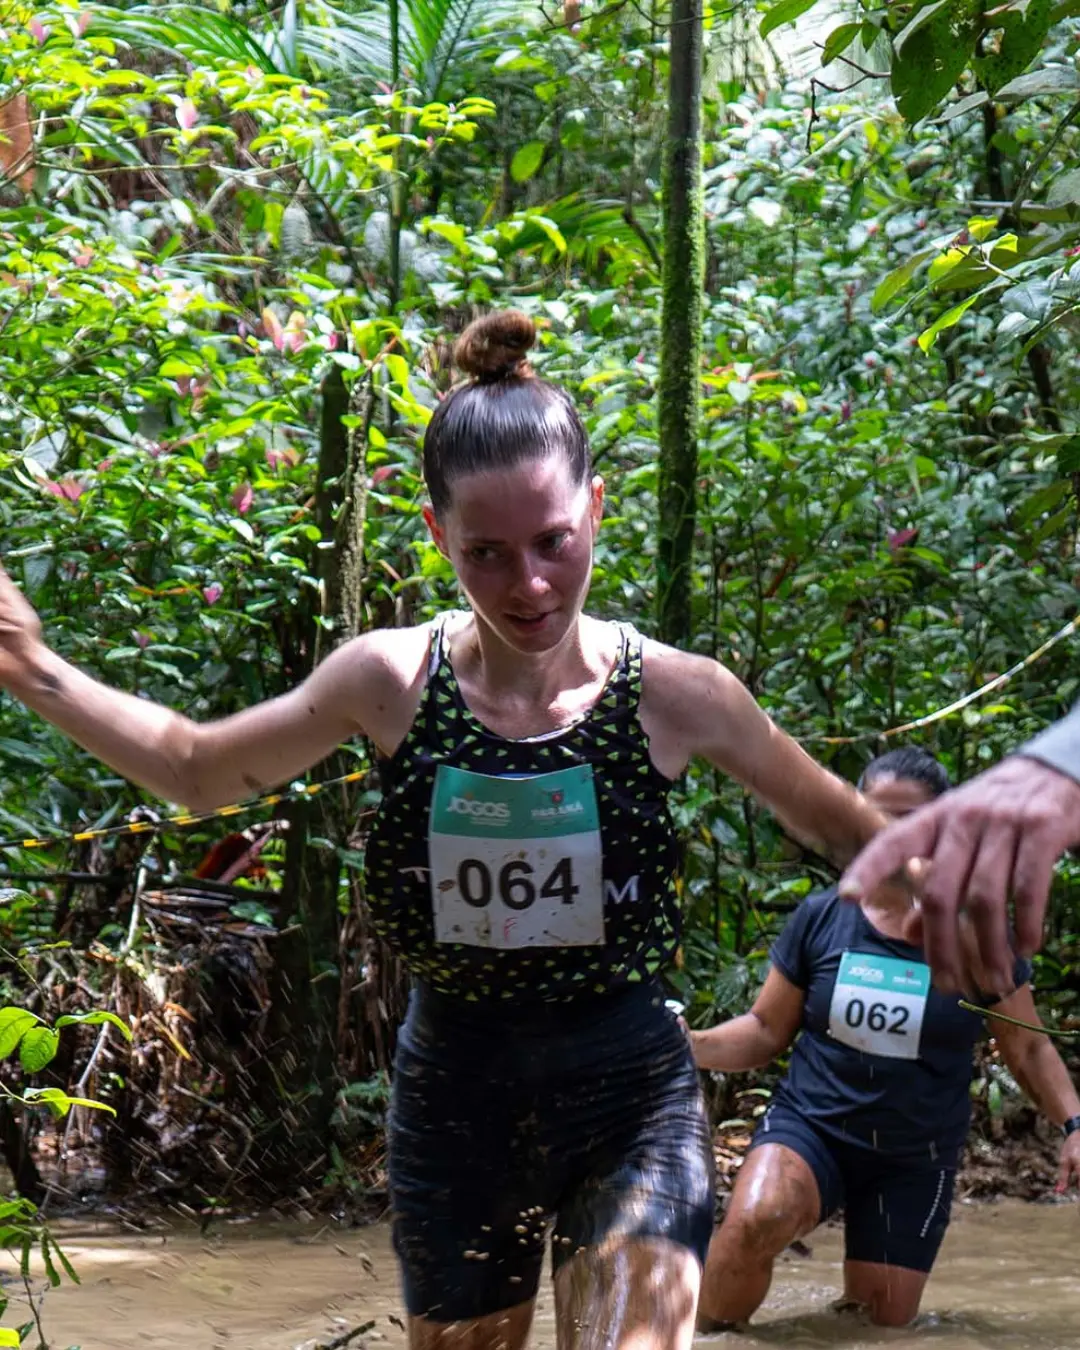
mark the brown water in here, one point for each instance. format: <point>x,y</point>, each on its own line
<point>1008,1278</point>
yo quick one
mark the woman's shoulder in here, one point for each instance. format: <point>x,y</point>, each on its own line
<point>817,915</point>
<point>400,652</point>
<point>681,684</point>
<point>382,672</point>
<point>824,901</point>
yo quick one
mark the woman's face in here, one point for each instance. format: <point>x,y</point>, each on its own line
<point>521,543</point>
<point>895,797</point>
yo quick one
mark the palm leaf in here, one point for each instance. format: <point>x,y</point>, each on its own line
<point>202,36</point>
<point>349,44</point>
<point>438,39</point>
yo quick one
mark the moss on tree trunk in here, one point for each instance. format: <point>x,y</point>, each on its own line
<point>680,325</point>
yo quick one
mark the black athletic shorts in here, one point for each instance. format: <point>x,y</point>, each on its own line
<point>895,1212</point>
<point>587,1116</point>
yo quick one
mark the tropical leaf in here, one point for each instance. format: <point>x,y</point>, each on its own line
<point>204,36</point>
<point>437,37</point>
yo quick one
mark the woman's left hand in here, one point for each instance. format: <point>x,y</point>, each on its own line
<point>1069,1166</point>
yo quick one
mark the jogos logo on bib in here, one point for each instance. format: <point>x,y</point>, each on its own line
<point>516,862</point>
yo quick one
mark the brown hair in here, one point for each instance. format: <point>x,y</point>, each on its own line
<point>504,414</point>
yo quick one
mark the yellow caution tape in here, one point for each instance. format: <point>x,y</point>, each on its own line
<point>186,819</point>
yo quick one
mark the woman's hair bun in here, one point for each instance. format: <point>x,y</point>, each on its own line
<point>496,345</point>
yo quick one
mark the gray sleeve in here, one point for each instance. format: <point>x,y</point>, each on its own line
<point>1058,746</point>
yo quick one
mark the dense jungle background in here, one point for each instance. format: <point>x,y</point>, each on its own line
<point>236,242</point>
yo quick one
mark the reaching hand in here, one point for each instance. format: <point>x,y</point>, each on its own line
<point>20,633</point>
<point>995,837</point>
<point>1069,1165</point>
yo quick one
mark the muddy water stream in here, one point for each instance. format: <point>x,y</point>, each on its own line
<point>1008,1278</point>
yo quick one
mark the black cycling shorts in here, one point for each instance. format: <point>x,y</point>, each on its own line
<point>587,1116</point>
<point>895,1211</point>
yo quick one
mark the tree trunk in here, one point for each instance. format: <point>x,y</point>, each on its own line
<point>680,324</point>
<point>397,186</point>
<point>297,1080</point>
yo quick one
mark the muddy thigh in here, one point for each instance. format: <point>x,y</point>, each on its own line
<point>639,1292</point>
<point>776,1200</point>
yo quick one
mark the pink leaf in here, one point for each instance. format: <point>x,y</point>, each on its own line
<point>294,335</point>
<point>330,342</point>
<point>84,257</point>
<point>898,539</point>
<point>141,639</point>
<point>212,592</point>
<point>273,329</point>
<point>79,23</point>
<point>382,473</point>
<point>67,489</point>
<point>39,31</point>
<point>186,114</point>
<point>275,458</point>
<point>242,498</point>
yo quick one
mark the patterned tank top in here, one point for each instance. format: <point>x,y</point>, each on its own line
<point>536,869</point>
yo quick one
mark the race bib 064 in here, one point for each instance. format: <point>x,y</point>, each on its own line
<point>516,862</point>
<point>878,1004</point>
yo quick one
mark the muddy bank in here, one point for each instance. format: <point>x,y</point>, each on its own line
<point>1007,1279</point>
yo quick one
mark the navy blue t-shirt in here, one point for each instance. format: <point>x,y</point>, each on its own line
<point>884,1059</point>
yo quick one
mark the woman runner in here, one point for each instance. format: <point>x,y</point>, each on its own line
<point>874,1109</point>
<point>522,864</point>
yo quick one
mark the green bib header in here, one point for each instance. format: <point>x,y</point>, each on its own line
<point>884,974</point>
<point>541,806</point>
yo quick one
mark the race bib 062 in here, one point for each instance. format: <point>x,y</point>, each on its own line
<point>878,1004</point>
<point>516,862</point>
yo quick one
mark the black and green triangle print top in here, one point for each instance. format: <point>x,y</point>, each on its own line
<point>525,870</point>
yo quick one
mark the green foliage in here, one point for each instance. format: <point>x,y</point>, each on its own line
<point>23,1032</point>
<point>230,202</point>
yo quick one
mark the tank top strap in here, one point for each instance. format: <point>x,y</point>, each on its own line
<point>630,657</point>
<point>439,644</point>
<point>440,706</point>
<point>620,702</point>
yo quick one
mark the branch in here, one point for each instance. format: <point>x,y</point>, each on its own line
<point>644,235</point>
<point>1036,164</point>
<point>339,1342</point>
<point>866,74</point>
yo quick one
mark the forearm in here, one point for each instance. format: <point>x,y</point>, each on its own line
<point>1042,1074</point>
<point>143,741</point>
<point>819,809</point>
<point>733,1047</point>
<point>198,765</point>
